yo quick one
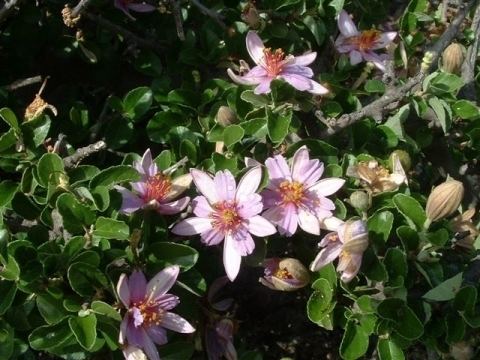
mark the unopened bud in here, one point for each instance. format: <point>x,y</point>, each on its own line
<point>444,200</point>
<point>360,200</point>
<point>225,116</point>
<point>284,274</point>
<point>355,237</point>
<point>404,158</point>
<point>426,61</point>
<point>452,58</point>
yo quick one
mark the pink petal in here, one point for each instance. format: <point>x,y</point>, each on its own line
<point>231,258</point>
<point>305,59</point>
<point>308,222</point>
<point>138,286</point>
<point>288,224</point>
<point>192,226</point>
<point>130,201</point>
<point>225,185</point>
<point>176,323</point>
<point>377,60</point>
<point>326,187</point>
<point>142,7</point>
<point>134,335</point>
<point>317,89</point>
<point>277,170</point>
<point>133,353</point>
<point>173,207</point>
<point>343,46</point>
<point>212,237</point>
<point>331,223</point>
<point>385,39</point>
<point>140,187</point>
<point>264,86</point>
<point>149,347</point>
<point>259,226</point>
<point>157,334</point>
<point>326,256</point>
<point>355,57</point>
<point>244,80</point>
<point>352,269</point>
<point>123,291</point>
<point>168,301</point>
<point>162,282</point>
<point>297,70</point>
<point>299,82</point>
<point>256,72</point>
<point>242,241</point>
<point>255,47</point>
<point>301,159</point>
<point>249,162</point>
<point>346,25</point>
<point>215,287</point>
<point>249,183</point>
<point>122,336</point>
<point>271,198</point>
<point>201,207</point>
<point>147,166</point>
<point>121,5</point>
<point>205,185</point>
<point>330,237</point>
<point>249,206</point>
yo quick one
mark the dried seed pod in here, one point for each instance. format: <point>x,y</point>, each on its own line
<point>444,200</point>
<point>452,58</point>
<point>225,116</point>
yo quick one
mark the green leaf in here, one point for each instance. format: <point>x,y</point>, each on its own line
<point>455,328</point>
<point>7,140</point>
<point>388,350</point>
<point>49,336</point>
<point>102,308</point>
<point>49,165</point>
<point>85,279</point>
<point>114,175</point>
<point>137,102</point>
<point>8,289</point>
<point>396,263</point>
<point>410,209</point>
<point>177,350</point>
<point>84,329</point>
<point>466,109</point>
<point>163,254</point>
<point>111,229</point>
<point>354,342</point>
<point>318,304</point>
<point>232,134</point>
<point>278,126</point>
<point>254,99</point>
<point>444,83</point>
<point>164,159</point>
<point>442,116</point>
<point>379,226</point>
<point>337,5</point>
<point>255,127</point>
<point>188,149</point>
<point>316,27</point>
<point>6,340</point>
<point>375,86</point>
<point>76,216</point>
<point>403,319</point>
<point>7,191</point>
<point>11,119</point>
<point>51,308</point>
<point>446,290</point>
<point>10,270</point>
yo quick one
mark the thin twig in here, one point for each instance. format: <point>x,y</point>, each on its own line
<point>81,6</point>
<point>8,8</point>
<point>177,16</point>
<point>213,14</point>
<point>392,97</point>
<point>468,68</point>
<point>82,153</point>
<point>17,84</point>
<point>128,35</point>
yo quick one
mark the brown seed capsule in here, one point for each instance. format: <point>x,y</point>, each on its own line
<point>444,200</point>
<point>452,58</point>
<point>225,116</point>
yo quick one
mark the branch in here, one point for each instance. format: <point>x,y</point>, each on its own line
<point>81,6</point>
<point>390,100</point>
<point>128,35</point>
<point>177,15</point>
<point>213,14</point>
<point>8,8</point>
<point>82,153</point>
<point>468,67</point>
<point>17,84</point>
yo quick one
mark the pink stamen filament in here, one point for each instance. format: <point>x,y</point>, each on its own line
<point>158,187</point>
<point>274,61</point>
<point>225,217</point>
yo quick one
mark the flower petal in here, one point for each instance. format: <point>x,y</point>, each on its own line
<point>317,89</point>
<point>205,185</point>
<point>123,291</point>
<point>173,207</point>
<point>201,207</point>
<point>192,226</point>
<point>255,47</point>
<point>242,241</point>
<point>288,223</point>
<point>355,57</point>
<point>162,282</point>
<point>149,347</point>
<point>130,201</point>
<point>331,223</point>
<point>264,86</point>
<point>167,301</point>
<point>249,183</point>
<point>343,45</point>
<point>146,166</point>
<point>301,159</point>
<point>133,353</point>
<point>278,170</point>
<point>297,70</point>
<point>346,25</point>
<point>249,206</point>
<point>385,39</point>
<point>225,185</point>
<point>176,323</point>
<point>157,334</point>
<point>376,59</point>
<point>308,222</point>
<point>299,82</point>
<point>142,7</point>
<point>260,226</point>
<point>231,258</point>
<point>179,185</point>
<point>138,286</point>
<point>305,59</point>
<point>212,237</point>
<point>122,336</point>
<point>326,255</point>
<point>244,80</point>
<point>326,187</point>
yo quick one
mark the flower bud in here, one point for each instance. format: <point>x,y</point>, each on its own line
<point>452,58</point>
<point>284,274</point>
<point>444,200</point>
<point>426,61</point>
<point>404,158</point>
<point>360,200</point>
<point>225,116</point>
<point>355,236</point>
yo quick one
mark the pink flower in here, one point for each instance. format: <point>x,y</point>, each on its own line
<point>155,190</point>
<point>360,45</point>
<point>219,340</point>
<point>227,212</point>
<point>348,244</point>
<point>127,5</point>
<point>296,196</point>
<point>275,65</point>
<point>148,313</point>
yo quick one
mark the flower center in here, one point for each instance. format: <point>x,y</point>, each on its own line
<point>274,61</point>
<point>146,314</point>
<point>225,217</point>
<point>158,187</point>
<point>283,274</point>
<point>366,40</point>
<point>291,192</point>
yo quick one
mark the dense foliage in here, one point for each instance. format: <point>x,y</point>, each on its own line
<point>241,180</point>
